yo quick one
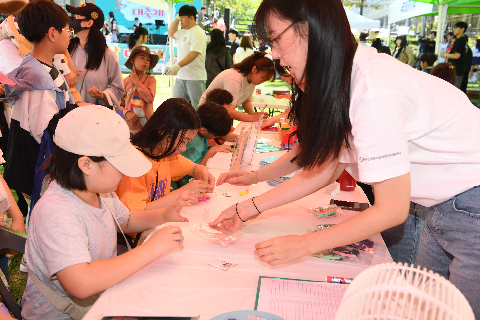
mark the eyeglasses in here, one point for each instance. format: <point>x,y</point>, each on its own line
<point>272,42</point>
<point>70,32</point>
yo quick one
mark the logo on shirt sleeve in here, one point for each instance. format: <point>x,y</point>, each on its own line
<point>379,157</point>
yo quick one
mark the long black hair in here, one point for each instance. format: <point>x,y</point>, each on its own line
<point>168,124</point>
<point>217,43</point>
<point>96,47</point>
<point>324,125</point>
<point>403,44</point>
<point>477,44</point>
<point>133,37</point>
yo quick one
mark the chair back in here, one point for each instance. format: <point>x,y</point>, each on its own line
<point>13,241</point>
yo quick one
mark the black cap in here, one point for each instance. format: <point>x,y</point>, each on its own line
<point>90,11</point>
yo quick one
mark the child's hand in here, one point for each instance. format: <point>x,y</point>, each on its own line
<point>172,213</point>
<point>79,71</point>
<point>203,174</point>
<point>71,79</point>
<point>198,187</point>
<point>134,75</point>
<point>131,116</point>
<point>95,93</point>
<point>167,238</point>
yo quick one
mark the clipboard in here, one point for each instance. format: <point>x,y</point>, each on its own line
<point>298,299</point>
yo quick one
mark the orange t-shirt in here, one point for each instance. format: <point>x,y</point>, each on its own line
<point>135,193</point>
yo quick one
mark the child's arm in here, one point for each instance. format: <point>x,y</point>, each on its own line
<point>197,187</point>
<point>18,223</point>
<point>86,279</point>
<point>141,220</point>
<point>213,150</point>
<point>201,173</point>
<point>147,92</point>
<point>229,137</point>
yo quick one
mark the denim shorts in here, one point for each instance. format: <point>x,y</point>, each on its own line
<point>190,90</point>
<point>451,244</point>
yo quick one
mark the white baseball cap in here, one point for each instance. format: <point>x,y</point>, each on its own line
<point>100,132</point>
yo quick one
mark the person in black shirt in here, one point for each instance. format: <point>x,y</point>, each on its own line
<point>458,55</point>
<point>233,42</point>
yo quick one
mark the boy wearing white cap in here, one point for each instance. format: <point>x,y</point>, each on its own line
<point>72,243</point>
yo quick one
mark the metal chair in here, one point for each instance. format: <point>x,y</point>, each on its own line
<point>15,242</point>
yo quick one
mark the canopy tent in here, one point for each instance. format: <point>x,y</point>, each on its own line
<point>360,22</point>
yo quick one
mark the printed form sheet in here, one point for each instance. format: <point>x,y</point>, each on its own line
<point>299,299</point>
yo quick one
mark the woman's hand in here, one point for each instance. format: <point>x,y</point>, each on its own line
<point>172,213</point>
<point>198,187</point>
<point>281,250</point>
<point>166,239</point>
<point>238,178</point>
<point>19,225</point>
<point>95,93</point>
<point>269,122</point>
<point>229,219</point>
<point>202,173</point>
<point>265,115</point>
<point>132,117</point>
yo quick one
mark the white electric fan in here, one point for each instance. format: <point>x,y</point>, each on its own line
<point>399,292</point>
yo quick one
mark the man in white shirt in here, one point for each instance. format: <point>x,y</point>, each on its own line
<point>191,52</point>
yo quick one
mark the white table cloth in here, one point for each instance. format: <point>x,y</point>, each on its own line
<point>182,284</point>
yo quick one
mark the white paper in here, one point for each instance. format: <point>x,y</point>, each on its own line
<point>300,300</point>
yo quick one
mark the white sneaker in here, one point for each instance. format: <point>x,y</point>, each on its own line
<point>23,266</point>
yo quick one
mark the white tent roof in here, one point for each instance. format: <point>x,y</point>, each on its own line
<point>360,22</point>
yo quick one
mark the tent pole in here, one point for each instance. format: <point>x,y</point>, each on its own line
<point>389,30</point>
<point>442,10</point>
<point>170,42</point>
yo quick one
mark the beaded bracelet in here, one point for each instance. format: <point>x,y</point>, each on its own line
<point>255,206</point>
<point>236,209</point>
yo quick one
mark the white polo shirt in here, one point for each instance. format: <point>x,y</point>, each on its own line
<point>193,39</point>
<point>405,120</point>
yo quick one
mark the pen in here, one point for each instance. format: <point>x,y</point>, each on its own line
<point>339,280</point>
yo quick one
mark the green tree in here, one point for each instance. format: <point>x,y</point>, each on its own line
<point>243,10</point>
<point>359,3</point>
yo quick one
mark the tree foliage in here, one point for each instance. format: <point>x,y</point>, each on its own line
<point>242,11</point>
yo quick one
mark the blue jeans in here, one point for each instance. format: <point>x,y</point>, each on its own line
<point>451,244</point>
<point>403,241</point>
<point>190,90</point>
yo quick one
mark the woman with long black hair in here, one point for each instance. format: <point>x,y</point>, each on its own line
<point>414,137</point>
<point>138,37</point>
<point>218,58</point>
<point>99,76</point>
<point>402,51</point>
